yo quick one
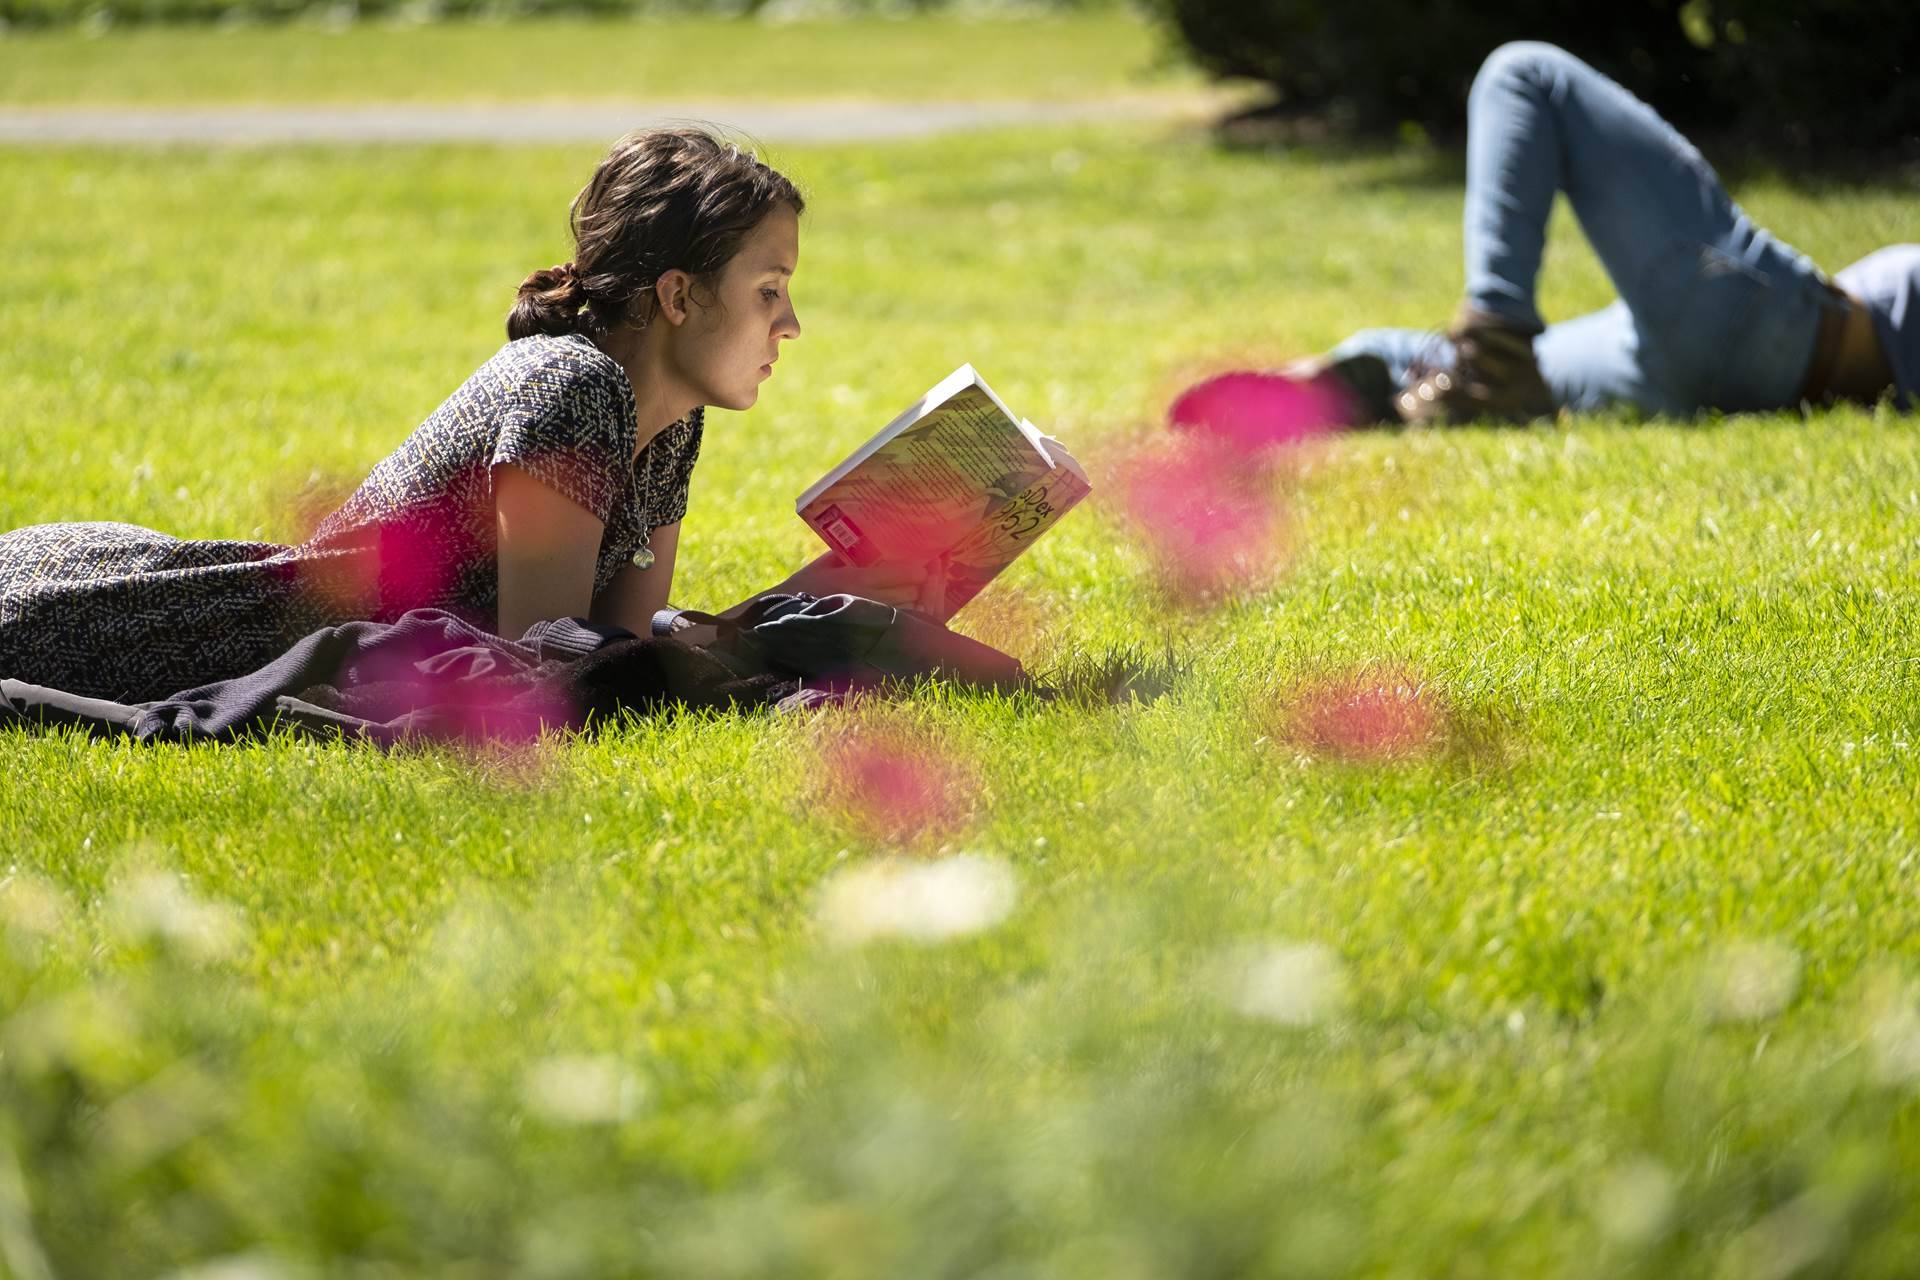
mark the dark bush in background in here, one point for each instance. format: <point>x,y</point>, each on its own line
<point>1829,74</point>
<point>1792,75</point>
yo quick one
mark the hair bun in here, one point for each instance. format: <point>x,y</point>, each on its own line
<point>551,279</point>
<point>550,301</point>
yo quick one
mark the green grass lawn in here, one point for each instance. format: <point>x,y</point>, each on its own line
<point>563,59</point>
<point>1631,991</point>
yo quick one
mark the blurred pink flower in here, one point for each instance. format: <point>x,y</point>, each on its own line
<point>1367,715</point>
<point>385,570</point>
<point>471,694</point>
<point>415,570</point>
<point>1211,525</point>
<point>896,784</point>
<point>481,714</point>
<point>1254,411</point>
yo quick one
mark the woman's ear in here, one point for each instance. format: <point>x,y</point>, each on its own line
<point>673,291</point>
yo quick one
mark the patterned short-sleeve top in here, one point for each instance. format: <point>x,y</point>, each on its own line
<point>558,408</point>
<point>117,611</point>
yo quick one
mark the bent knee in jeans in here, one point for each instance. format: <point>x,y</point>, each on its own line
<point>1525,60</point>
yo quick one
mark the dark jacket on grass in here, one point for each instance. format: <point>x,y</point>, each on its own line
<point>428,675</point>
<point>433,675</point>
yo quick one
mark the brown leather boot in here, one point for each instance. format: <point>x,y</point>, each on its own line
<point>1493,378</point>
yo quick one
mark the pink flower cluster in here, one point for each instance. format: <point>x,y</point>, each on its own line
<point>1255,411</point>
<point>1206,500</point>
<point>896,784</point>
<point>1368,715</point>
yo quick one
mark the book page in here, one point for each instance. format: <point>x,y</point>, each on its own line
<point>962,377</point>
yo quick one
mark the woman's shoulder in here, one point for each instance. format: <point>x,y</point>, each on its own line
<point>558,390</point>
<point>569,364</point>
<point>547,403</point>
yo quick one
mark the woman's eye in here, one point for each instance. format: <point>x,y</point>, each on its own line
<point>770,294</point>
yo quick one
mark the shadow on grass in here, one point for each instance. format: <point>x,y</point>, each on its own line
<point>1410,158</point>
<point>1123,674</point>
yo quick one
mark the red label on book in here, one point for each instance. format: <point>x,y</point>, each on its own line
<point>845,535</point>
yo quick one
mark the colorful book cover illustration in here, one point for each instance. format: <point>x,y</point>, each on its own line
<point>956,474</point>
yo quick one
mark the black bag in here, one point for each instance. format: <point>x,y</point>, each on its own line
<point>844,641</point>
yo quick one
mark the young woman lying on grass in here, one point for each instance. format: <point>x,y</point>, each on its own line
<point>1714,313</point>
<point>551,484</point>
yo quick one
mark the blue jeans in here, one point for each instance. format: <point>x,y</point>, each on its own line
<point>1714,313</point>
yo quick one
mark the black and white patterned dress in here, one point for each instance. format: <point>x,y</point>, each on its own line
<point>117,611</point>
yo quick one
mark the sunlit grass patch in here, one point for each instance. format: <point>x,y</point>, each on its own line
<point>573,59</point>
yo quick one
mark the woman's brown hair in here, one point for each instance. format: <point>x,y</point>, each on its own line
<point>662,200</point>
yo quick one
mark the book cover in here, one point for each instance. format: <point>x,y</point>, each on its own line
<point>956,474</point>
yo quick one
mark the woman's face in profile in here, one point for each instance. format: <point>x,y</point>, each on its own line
<point>727,349</point>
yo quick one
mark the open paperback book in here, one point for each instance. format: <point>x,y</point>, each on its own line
<point>956,474</point>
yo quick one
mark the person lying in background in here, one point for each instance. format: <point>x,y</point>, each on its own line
<point>1714,312</point>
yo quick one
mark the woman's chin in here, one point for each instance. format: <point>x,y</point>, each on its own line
<point>741,394</point>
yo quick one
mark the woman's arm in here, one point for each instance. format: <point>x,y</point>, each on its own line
<point>636,594</point>
<point>547,545</point>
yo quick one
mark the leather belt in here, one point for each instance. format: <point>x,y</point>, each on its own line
<point>1836,373</point>
<point>1818,386</point>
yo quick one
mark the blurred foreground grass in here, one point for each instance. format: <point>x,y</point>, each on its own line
<point>1631,993</point>
<point>581,60</point>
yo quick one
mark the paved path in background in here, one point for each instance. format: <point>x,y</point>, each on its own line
<point>560,122</point>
